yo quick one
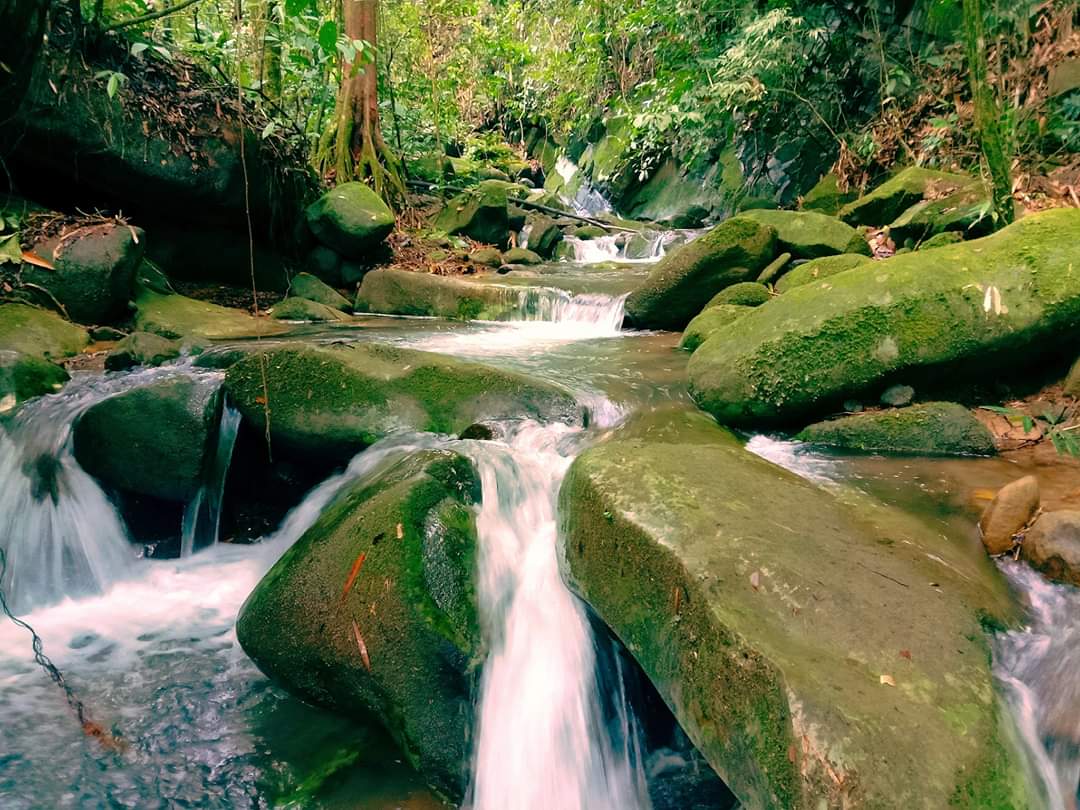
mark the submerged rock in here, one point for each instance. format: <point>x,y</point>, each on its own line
<point>810,235</point>
<point>927,429</point>
<point>350,218</point>
<point>925,316</point>
<point>142,349</point>
<point>819,269</point>
<point>403,292</point>
<point>824,653</point>
<point>305,285</point>
<point>479,213</point>
<point>334,401</point>
<point>1053,546</point>
<point>897,194</point>
<point>152,440</point>
<point>1011,510</point>
<point>92,270</point>
<point>302,309</point>
<point>709,321</point>
<point>372,612</point>
<point>39,333</point>
<point>681,283</point>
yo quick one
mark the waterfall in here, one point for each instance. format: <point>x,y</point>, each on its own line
<point>542,738</point>
<point>644,247</point>
<point>202,516</point>
<point>587,201</point>
<point>595,313</point>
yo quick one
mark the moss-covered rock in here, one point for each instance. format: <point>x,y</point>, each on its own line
<point>928,316</point>
<point>911,185</point>
<point>142,349</point>
<point>152,440</point>
<point>708,321</point>
<point>941,239</point>
<point>521,256</point>
<point>744,294</point>
<point>820,269</point>
<point>372,611</point>
<point>487,256</point>
<point>927,429</point>
<point>479,213</point>
<point>301,309</point>
<point>826,196</point>
<point>1072,381</point>
<point>828,653</point>
<point>305,285</point>
<point>334,401</point>
<point>350,218</point>
<point>23,376</point>
<point>774,269</point>
<point>92,270</point>
<point>39,333</point>
<point>684,280</point>
<point>180,318</point>
<point>403,292</point>
<point>966,211</point>
<point>810,235</point>
<point>544,235</point>
<point>324,264</point>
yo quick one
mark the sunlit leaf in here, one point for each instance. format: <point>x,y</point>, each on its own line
<point>328,37</point>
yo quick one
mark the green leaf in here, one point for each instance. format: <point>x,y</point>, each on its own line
<point>113,85</point>
<point>328,37</point>
<point>10,249</point>
<point>138,47</point>
<point>269,130</point>
<point>294,7</point>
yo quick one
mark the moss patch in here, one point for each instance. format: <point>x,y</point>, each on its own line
<point>178,317</point>
<point>743,294</point>
<point>929,429</point>
<point>809,234</point>
<point>820,269</point>
<point>39,333</point>
<point>710,320</point>
<point>889,200</point>
<point>402,292</point>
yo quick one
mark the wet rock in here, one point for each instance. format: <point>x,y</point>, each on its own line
<point>305,285</point>
<point>480,213</point>
<point>521,256</point>
<point>709,321</point>
<point>924,317</point>
<point>350,218</point>
<point>1052,546</point>
<point>478,432</point>
<point>589,232</point>
<point>928,429</point>
<point>39,333</point>
<point>142,349</point>
<point>152,440</point>
<point>488,257</point>
<point>24,376</point>
<point>775,268</point>
<point>743,294</point>
<point>372,612</point>
<point>1011,510</point>
<point>889,200</point>
<point>897,396</point>
<point>402,292</point>
<point>334,401</point>
<point>106,333</point>
<point>681,283</point>
<point>301,309</point>
<point>799,648</point>
<point>195,322</point>
<point>820,269</point>
<point>544,235</point>
<point>810,235</point>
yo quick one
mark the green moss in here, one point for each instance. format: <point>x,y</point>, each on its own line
<point>402,292</point>
<point>39,333</point>
<point>774,269</point>
<point>978,302</point>
<point>305,285</point>
<point>142,349</point>
<point>709,321</point>
<point>826,196</point>
<point>966,211</point>
<point>767,631</point>
<point>303,309</point>
<point>480,213</point>
<point>810,235</point>
<point>942,239</point>
<point>351,219</point>
<point>930,429</point>
<point>681,283</point>
<point>889,200</point>
<point>178,317</point>
<point>24,376</point>
<point>743,294</point>
<point>820,269</point>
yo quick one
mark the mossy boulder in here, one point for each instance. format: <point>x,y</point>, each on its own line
<point>941,239</point>
<point>403,292</point>
<point>152,440</point>
<point>39,333</point>
<point>142,349</point>
<point>372,612</point>
<point>479,213</point>
<point>334,401</point>
<point>965,309</point>
<point>681,283</point>
<point>324,264</point>
<point>544,235</point>
<point>301,309</point>
<point>521,256</point>
<point>305,285</point>
<point>774,269</point>
<point>826,196</point>
<point>744,294</point>
<point>828,653</point>
<point>24,376</point>
<point>927,429</point>
<point>709,321</point>
<point>181,318</point>
<point>897,194</point>
<point>93,268</point>
<point>350,218</point>
<point>1072,381</point>
<point>487,256</point>
<point>809,234</point>
<point>818,269</point>
<point>966,211</point>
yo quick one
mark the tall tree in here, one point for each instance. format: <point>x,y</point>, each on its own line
<point>361,152</point>
<point>989,125</point>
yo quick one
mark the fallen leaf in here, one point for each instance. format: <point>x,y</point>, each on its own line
<point>353,572</point>
<point>400,531</point>
<point>755,580</point>
<point>886,680</point>
<point>361,646</point>
<point>37,261</point>
<point>905,654</point>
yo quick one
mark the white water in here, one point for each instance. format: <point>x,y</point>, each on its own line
<point>202,516</point>
<point>615,247</point>
<point>580,316</point>
<point>587,201</point>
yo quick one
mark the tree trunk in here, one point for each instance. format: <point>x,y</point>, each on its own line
<point>989,128</point>
<point>22,26</point>
<point>362,153</point>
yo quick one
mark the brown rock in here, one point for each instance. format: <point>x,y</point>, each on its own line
<point>1008,513</point>
<point>1053,546</point>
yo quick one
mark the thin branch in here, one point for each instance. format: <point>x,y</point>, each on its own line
<point>153,15</point>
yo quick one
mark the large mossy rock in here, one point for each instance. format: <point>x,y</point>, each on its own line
<point>927,429</point>
<point>820,269</point>
<point>930,317</point>
<point>305,285</point>
<point>825,653</point>
<point>743,294</point>
<point>479,213</point>
<point>152,440</point>
<point>372,611</point>
<point>826,196</point>
<point>39,333</point>
<point>966,211</point>
<point>403,292</point>
<point>142,349</point>
<point>334,401</point>
<point>544,234</point>
<point>180,318</point>
<point>351,219</point>
<point>24,376</point>
<point>303,309</point>
<point>911,185</point>
<point>809,234</point>
<point>93,269</point>
<point>708,322</point>
<point>681,283</point>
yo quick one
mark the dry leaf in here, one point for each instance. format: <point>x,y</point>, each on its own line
<point>400,531</point>
<point>755,580</point>
<point>887,680</point>
<point>361,646</point>
<point>905,654</point>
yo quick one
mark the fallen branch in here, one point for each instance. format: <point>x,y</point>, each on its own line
<point>150,17</point>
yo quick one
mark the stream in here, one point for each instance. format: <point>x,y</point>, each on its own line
<point>150,645</point>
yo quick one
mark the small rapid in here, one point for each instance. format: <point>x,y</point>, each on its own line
<point>579,316</point>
